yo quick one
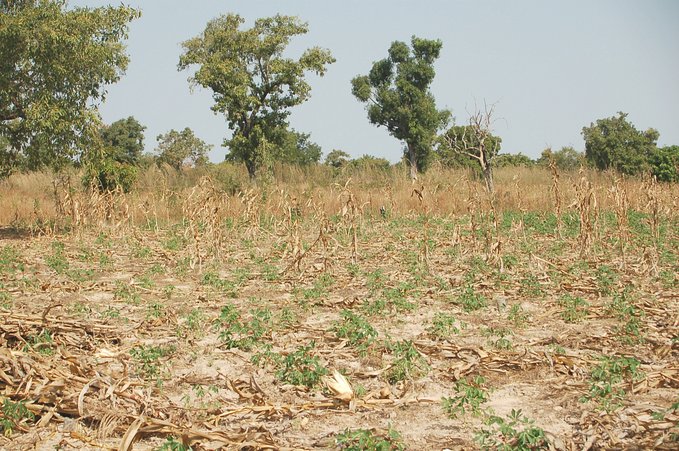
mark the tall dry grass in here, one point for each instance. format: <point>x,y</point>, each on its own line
<point>164,196</point>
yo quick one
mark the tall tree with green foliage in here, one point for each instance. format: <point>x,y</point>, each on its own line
<point>252,83</point>
<point>113,162</point>
<point>55,64</point>
<point>398,97</point>
<point>178,149</point>
<point>614,143</point>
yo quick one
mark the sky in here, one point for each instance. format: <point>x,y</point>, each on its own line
<point>550,67</point>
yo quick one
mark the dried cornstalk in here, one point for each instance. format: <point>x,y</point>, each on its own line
<point>621,209</point>
<point>557,196</point>
<point>586,205</point>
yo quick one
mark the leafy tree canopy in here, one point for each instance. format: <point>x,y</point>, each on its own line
<point>337,158</point>
<point>252,83</point>
<point>614,143</point>
<point>297,148</point>
<point>504,160</point>
<point>178,149</point>
<point>398,97</point>
<point>665,163</point>
<point>54,66</point>
<point>566,158</point>
<point>124,140</point>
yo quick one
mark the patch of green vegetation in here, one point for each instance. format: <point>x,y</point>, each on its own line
<point>13,414</point>
<point>606,277</point>
<point>148,359</point>
<point>518,316</point>
<point>408,362</point>
<point>319,287</point>
<point>606,380</point>
<point>126,292</point>
<point>470,300</point>
<point>530,286</point>
<point>245,334</point>
<point>514,433</point>
<point>10,260</point>
<point>369,440</point>
<point>501,342</point>
<point>301,367</point>
<point>444,325</point>
<point>397,297</point>
<point>43,343</point>
<point>470,395</point>
<point>212,279</point>
<point>575,308</point>
<point>356,329</point>
<point>171,444</point>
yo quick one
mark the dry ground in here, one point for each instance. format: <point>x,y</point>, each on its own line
<point>218,335</point>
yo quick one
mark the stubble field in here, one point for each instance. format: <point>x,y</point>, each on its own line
<point>546,317</point>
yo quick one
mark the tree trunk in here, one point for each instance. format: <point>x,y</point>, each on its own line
<point>488,176</point>
<point>252,170</point>
<point>412,159</point>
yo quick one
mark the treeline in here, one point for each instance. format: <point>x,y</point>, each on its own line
<point>56,62</point>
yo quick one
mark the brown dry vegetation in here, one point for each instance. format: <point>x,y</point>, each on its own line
<point>205,309</point>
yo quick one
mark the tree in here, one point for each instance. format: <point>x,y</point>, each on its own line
<point>505,160</point>
<point>124,140</point>
<point>54,66</point>
<point>566,159</point>
<point>337,158</point>
<point>113,163</point>
<point>398,97</point>
<point>297,148</point>
<point>476,142</point>
<point>371,162</point>
<point>178,149</point>
<point>664,163</point>
<point>253,84</point>
<point>614,143</point>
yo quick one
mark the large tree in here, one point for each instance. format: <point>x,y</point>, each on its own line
<point>124,140</point>
<point>614,143</point>
<point>253,84</point>
<point>180,148</point>
<point>398,97</point>
<point>54,66</point>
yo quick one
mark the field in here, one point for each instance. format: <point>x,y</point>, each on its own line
<point>215,315</point>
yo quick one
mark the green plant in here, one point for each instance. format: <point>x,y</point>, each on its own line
<point>575,308</point>
<point>515,433</point>
<point>359,332</point>
<point>301,368</point>
<point>13,414</point>
<point>470,300</point>
<point>57,260</point>
<point>408,362</point>
<point>173,445</point>
<point>369,440</point>
<point>212,279</point>
<point>444,325</point>
<point>236,332</point>
<point>470,396</point>
<point>43,343</point>
<point>606,278</point>
<point>530,286</point>
<point>606,378</point>
<point>10,260</point>
<point>502,342</point>
<point>518,316</point>
<point>148,359</point>
<point>126,292</point>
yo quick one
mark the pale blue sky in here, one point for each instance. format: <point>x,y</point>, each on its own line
<point>551,67</point>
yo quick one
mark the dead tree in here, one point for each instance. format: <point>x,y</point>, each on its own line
<point>476,141</point>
